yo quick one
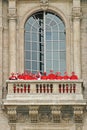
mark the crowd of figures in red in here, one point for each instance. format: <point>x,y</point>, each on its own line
<point>38,76</point>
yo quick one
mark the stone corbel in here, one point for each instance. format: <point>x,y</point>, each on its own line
<point>56,114</point>
<point>11,111</point>
<point>33,113</point>
<point>78,114</point>
<point>44,4</point>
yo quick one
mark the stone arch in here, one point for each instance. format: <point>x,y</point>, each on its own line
<point>55,10</point>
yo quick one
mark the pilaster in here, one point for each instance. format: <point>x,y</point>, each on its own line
<point>76,15</point>
<point>12,17</point>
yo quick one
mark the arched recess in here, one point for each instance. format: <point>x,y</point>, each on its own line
<point>59,13</point>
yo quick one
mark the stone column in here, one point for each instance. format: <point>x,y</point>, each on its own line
<point>76,12</point>
<point>12,35</point>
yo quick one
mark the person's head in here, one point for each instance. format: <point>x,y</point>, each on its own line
<point>58,73</point>
<point>51,71</point>
<point>65,73</point>
<point>73,73</point>
<point>44,73</point>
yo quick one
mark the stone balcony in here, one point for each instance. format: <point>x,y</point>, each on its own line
<point>44,101</point>
<point>44,92</point>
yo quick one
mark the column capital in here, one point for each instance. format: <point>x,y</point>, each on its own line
<point>76,12</point>
<point>12,13</point>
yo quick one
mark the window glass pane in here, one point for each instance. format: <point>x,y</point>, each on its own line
<point>34,65</point>
<point>31,20</point>
<point>48,55</point>
<point>48,64</point>
<point>62,64</point>
<point>48,45</point>
<point>55,35</point>
<point>34,55</point>
<point>62,45</point>
<point>55,55</point>
<point>61,27</point>
<point>62,55</point>
<point>55,46</point>
<point>52,23</point>
<point>34,46</point>
<point>27,54</point>
<point>27,46</point>
<point>27,36</point>
<point>62,35</point>
<point>48,35</point>
<point>34,37</point>
<point>55,65</point>
<point>27,64</point>
<point>55,28</point>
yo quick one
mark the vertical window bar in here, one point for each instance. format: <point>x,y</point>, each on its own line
<point>44,41</point>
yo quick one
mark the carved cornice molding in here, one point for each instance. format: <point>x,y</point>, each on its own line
<point>44,4</point>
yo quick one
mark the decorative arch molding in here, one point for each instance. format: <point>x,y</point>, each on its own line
<point>53,9</point>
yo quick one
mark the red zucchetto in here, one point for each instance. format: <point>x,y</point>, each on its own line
<point>66,77</point>
<point>73,76</point>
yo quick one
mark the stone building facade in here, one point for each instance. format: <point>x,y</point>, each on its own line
<point>20,112</point>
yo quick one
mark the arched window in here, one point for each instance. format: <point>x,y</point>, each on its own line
<point>45,46</point>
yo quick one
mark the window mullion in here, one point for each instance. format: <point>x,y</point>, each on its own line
<point>44,41</point>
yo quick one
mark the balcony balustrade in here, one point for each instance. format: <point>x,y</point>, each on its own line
<point>44,91</point>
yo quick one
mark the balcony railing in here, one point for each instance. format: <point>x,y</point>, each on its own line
<point>44,90</point>
<point>44,87</point>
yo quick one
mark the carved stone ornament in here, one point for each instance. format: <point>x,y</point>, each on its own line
<point>22,117</point>
<point>11,111</point>
<point>78,114</point>
<point>44,4</point>
<point>33,114</point>
<point>56,114</point>
<point>12,13</point>
<point>76,12</point>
